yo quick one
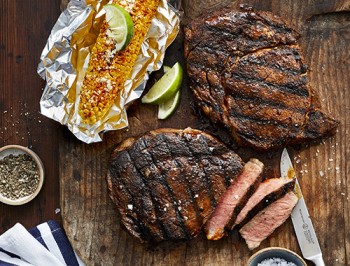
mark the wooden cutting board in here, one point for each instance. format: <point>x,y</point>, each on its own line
<point>89,216</point>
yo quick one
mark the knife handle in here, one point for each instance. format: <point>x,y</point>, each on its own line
<point>318,261</point>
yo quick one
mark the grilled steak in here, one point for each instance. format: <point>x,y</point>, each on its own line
<point>233,200</point>
<point>267,220</point>
<point>268,191</point>
<point>167,182</point>
<point>247,73</point>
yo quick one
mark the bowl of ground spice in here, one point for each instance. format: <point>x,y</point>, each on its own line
<point>21,175</point>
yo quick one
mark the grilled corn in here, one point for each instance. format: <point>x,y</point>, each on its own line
<point>108,69</point>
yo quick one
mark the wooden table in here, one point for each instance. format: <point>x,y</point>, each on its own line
<point>89,217</point>
<point>24,28</point>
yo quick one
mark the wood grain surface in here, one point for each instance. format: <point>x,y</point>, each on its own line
<point>24,28</point>
<point>90,218</point>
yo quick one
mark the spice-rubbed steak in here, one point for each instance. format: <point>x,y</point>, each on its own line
<point>247,72</point>
<point>167,182</point>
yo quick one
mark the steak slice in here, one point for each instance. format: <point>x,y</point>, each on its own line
<point>268,191</point>
<point>267,220</point>
<point>247,72</point>
<point>233,200</point>
<point>167,182</point>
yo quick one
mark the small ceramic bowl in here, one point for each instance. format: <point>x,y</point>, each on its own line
<point>16,150</point>
<point>275,252</point>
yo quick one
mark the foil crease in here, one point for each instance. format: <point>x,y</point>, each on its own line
<point>65,58</point>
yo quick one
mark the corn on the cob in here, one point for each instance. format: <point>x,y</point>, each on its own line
<point>108,69</point>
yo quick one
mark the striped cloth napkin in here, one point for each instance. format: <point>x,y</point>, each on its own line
<point>45,244</point>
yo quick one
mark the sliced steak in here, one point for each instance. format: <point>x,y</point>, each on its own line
<point>268,191</point>
<point>247,73</point>
<point>267,220</point>
<point>167,182</point>
<point>233,200</point>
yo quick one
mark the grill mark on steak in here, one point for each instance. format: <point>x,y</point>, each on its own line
<point>289,87</point>
<point>171,193</point>
<point>204,174</point>
<point>181,172</point>
<point>257,141</point>
<point>210,163</point>
<point>173,229</point>
<point>267,127</point>
<point>137,196</point>
<point>237,57</point>
<point>272,135</point>
<point>195,147</point>
<point>130,221</point>
<point>163,157</point>
<point>186,171</point>
<point>213,162</point>
<point>263,126</point>
<point>201,191</point>
<point>158,211</point>
<point>228,178</point>
<point>248,109</point>
<point>183,201</point>
<point>250,30</point>
<point>252,97</point>
<point>214,57</point>
<point>216,183</point>
<point>265,57</point>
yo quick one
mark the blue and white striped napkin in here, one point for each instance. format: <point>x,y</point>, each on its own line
<point>45,244</point>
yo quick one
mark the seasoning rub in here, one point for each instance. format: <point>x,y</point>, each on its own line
<point>19,176</point>
<point>108,69</point>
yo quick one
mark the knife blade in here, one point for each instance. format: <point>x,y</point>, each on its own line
<point>302,223</point>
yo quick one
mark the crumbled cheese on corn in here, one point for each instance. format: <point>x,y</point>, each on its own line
<point>97,94</point>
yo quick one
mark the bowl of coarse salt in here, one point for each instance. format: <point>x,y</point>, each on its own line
<point>275,256</point>
<point>21,175</point>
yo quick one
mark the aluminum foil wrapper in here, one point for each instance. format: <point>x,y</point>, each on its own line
<point>65,58</point>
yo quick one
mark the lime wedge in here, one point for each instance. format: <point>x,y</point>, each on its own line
<point>166,87</point>
<point>168,107</point>
<point>120,25</point>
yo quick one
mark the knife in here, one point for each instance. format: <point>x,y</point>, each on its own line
<point>302,223</point>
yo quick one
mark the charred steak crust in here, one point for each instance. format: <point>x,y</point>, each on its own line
<point>247,73</point>
<point>167,182</point>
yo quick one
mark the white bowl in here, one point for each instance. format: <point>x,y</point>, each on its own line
<point>15,150</point>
